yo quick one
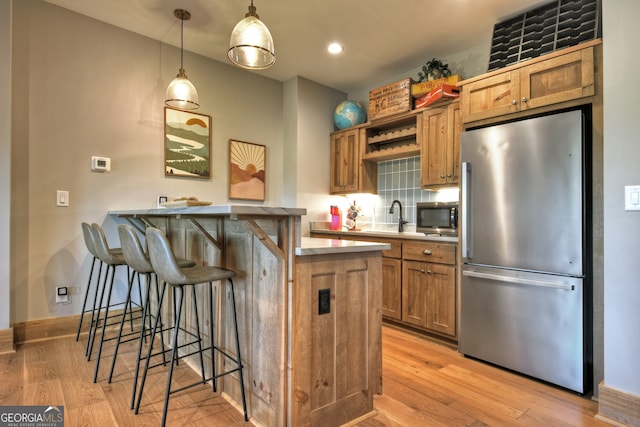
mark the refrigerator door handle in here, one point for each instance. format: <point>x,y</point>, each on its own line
<point>520,280</point>
<point>467,250</point>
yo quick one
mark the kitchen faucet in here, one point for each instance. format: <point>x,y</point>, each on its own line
<point>401,220</point>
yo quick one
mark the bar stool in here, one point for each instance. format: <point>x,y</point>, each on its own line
<point>137,258</point>
<point>112,260</point>
<point>88,241</point>
<point>166,267</point>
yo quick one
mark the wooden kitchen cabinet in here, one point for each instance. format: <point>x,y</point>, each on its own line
<point>429,286</point>
<point>391,288</point>
<point>348,172</point>
<point>554,78</point>
<point>440,150</point>
<point>419,282</point>
<point>336,366</point>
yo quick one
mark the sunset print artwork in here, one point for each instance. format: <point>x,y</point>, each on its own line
<point>187,144</point>
<point>246,170</point>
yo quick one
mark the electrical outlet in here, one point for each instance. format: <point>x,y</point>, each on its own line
<point>324,301</point>
<point>62,295</point>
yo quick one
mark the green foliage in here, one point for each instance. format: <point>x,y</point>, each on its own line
<point>434,69</point>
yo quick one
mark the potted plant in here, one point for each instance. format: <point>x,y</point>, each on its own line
<point>434,69</point>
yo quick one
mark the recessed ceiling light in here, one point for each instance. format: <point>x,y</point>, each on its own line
<point>335,48</point>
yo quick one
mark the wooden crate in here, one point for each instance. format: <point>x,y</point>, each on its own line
<point>391,99</point>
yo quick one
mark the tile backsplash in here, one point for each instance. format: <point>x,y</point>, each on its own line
<point>400,180</point>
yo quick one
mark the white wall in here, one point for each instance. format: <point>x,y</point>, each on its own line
<point>5,163</point>
<point>83,88</point>
<point>621,167</point>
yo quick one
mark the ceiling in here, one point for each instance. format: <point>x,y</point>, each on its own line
<point>381,38</point>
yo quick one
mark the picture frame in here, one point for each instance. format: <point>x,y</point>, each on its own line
<point>247,170</point>
<point>187,144</point>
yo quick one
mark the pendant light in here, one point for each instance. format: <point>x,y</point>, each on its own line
<point>251,44</point>
<point>181,93</point>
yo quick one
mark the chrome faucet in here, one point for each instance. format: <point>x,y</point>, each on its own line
<point>401,220</point>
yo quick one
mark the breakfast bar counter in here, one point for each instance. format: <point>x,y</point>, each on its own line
<point>308,310</point>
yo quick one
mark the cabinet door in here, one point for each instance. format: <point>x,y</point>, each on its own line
<point>440,152</point>
<point>454,128</point>
<point>441,298</point>
<point>433,163</point>
<point>414,293</point>
<point>429,296</point>
<point>344,162</point>
<point>391,288</point>
<point>558,79</point>
<point>494,96</point>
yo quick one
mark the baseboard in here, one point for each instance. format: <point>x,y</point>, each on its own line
<point>6,341</point>
<point>618,408</point>
<point>55,327</point>
<point>44,329</point>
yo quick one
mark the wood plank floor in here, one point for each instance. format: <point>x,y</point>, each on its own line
<point>424,384</point>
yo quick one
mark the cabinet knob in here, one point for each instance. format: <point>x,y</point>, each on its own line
<point>422,271</point>
<point>427,252</point>
<point>524,99</point>
<point>441,176</point>
<point>514,102</point>
<point>449,175</point>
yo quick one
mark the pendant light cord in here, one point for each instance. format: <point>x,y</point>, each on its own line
<point>181,41</point>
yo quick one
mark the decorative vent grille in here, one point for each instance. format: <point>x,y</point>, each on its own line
<point>547,28</point>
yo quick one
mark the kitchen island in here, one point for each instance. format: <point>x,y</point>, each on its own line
<point>301,367</point>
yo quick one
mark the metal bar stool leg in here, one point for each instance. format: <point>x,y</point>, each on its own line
<point>122,321</point>
<point>104,323</point>
<point>240,366</point>
<point>93,312</point>
<point>86,297</point>
<point>150,351</point>
<point>174,354</point>
<point>195,309</point>
<point>98,311</point>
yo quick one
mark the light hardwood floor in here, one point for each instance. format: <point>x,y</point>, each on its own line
<point>424,384</point>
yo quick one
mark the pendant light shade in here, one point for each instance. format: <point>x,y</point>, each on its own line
<point>181,93</point>
<point>251,44</point>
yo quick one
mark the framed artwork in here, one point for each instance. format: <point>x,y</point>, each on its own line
<point>247,170</point>
<point>187,144</point>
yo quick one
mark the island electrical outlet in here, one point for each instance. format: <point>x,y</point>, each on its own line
<point>324,301</point>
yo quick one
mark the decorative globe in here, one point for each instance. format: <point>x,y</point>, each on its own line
<point>349,113</point>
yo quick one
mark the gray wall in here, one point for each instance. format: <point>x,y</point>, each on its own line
<point>621,229</point>
<point>5,162</point>
<point>83,88</point>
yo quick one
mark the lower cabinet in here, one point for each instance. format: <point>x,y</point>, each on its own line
<point>419,282</point>
<point>391,288</point>
<point>428,296</point>
<point>336,363</point>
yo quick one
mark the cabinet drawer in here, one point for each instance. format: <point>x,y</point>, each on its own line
<point>430,251</point>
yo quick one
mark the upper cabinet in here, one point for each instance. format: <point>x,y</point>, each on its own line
<point>440,148</point>
<point>348,173</point>
<point>552,79</point>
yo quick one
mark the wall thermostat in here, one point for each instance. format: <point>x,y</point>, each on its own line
<point>100,164</point>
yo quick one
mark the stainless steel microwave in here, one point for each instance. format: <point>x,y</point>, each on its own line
<point>437,218</point>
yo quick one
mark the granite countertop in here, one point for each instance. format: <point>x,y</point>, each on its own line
<point>213,210</point>
<point>385,232</point>
<point>318,246</point>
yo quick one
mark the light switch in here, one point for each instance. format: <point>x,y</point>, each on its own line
<point>632,198</point>
<point>62,198</point>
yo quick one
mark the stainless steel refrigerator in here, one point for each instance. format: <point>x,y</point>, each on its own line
<point>525,209</point>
